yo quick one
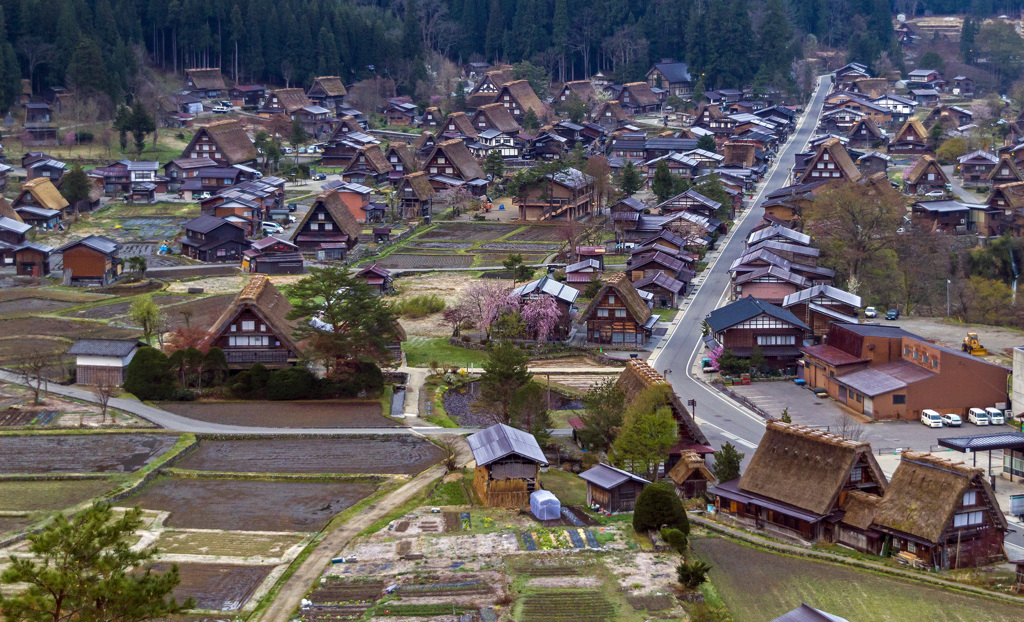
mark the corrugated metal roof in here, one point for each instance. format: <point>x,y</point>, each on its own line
<point>884,378</point>
<point>499,441</point>
<point>806,613</point>
<point>822,290</point>
<point>104,347</point>
<point>608,477</point>
<point>548,286</point>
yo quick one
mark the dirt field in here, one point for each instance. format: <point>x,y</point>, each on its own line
<point>538,233</point>
<point>10,524</point>
<point>229,504</point>
<point>34,496</point>
<point>82,453</point>
<point>311,414</point>
<point>999,341</point>
<point>408,260</point>
<point>231,544</point>
<point>58,327</point>
<point>783,582</point>
<point>390,454</point>
<point>218,587</point>
<point>106,312</point>
<point>27,306</point>
<point>20,293</point>
<point>13,350</point>
<point>447,285</point>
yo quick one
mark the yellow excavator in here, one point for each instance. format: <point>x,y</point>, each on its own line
<point>972,346</point>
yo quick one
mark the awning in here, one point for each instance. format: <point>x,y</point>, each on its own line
<point>731,491</point>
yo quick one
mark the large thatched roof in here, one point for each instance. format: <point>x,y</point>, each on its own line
<point>689,462</point>
<point>805,467</point>
<point>231,139</point>
<point>339,212</point>
<point>261,297</point>
<point>625,290</point>
<point>206,78</point>
<point>924,493</point>
<point>639,376</point>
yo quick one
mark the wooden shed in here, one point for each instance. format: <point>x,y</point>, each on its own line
<point>691,475</point>
<point>508,465</point>
<point>613,489</point>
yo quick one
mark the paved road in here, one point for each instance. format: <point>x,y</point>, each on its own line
<point>720,418</point>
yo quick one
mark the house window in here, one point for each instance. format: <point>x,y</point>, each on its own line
<point>611,299</point>
<point>911,547</point>
<point>931,176</point>
<point>899,399</point>
<point>248,325</point>
<point>970,498</point>
<point>263,328</point>
<point>602,313</point>
<point>328,226</point>
<point>906,351</point>
<point>776,340</point>
<point>935,362</point>
<point>222,252</point>
<point>857,475</point>
<point>233,328</point>
<point>620,313</point>
<point>968,518</point>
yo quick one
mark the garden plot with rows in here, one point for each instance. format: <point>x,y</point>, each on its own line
<point>465,245</point>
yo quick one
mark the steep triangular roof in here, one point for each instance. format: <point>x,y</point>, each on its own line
<point>612,110</point>
<point>912,130</point>
<point>1005,162</point>
<point>499,117</point>
<point>924,164</point>
<point>405,156</point>
<point>375,160</point>
<point>44,194</point>
<point>583,89</point>
<point>805,467</point>
<point>206,78</point>
<point>261,297</point>
<point>639,376</point>
<point>460,157</point>
<point>328,86</point>
<point>291,99</point>
<point>836,153</point>
<point>463,124</point>
<point>231,140</point>
<point>625,290</point>
<point>868,125</point>
<point>420,184</point>
<point>642,94</point>
<point>339,212</point>
<point>523,93</point>
<point>6,211</point>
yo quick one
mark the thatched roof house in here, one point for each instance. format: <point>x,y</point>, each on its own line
<point>224,142</point>
<point>691,475</point>
<point>798,477</point>
<point>943,512</point>
<point>205,79</point>
<point>617,314</point>
<point>255,327</point>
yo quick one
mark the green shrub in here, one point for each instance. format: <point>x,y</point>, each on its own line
<point>250,384</point>
<point>659,506</point>
<point>420,306</point>
<point>149,376</point>
<point>692,574</point>
<point>592,289</point>
<point>83,137</point>
<point>295,383</point>
<point>365,376</point>
<point>675,538</point>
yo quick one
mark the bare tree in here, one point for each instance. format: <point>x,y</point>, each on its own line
<point>34,368</point>
<point>450,446</point>
<point>847,427</point>
<point>105,390</point>
<point>36,52</point>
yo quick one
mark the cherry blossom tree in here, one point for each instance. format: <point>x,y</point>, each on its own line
<point>713,355</point>
<point>458,316</point>
<point>487,299</point>
<point>542,315</point>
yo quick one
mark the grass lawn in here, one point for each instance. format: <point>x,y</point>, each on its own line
<point>420,352</point>
<point>784,582</point>
<point>568,487</point>
<point>666,315</point>
<point>449,493</point>
<point>117,211</point>
<point>560,418</point>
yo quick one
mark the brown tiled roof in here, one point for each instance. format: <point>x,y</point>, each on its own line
<point>804,467</point>
<point>420,184</point>
<point>924,493</point>
<point>1005,160</point>
<point>291,99</point>
<point>331,199</point>
<point>331,85</point>
<point>405,156</point>
<point>642,93</point>
<point>831,355</point>
<point>500,118</point>
<point>207,78</point>
<point>6,211</point>
<point>523,93</point>
<point>625,290</point>
<point>462,123</point>
<point>921,166</point>
<point>375,160</point>
<point>232,141</point>
<point>611,106</point>
<point>260,296</point>
<point>44,194</point>
<point>458,154</point>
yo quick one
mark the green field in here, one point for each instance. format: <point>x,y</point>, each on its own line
<point>568,487</point>
<point>35,496</point>
<point>757,585</point>
<point>420,351</point>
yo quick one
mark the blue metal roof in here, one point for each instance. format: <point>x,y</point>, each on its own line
<point>984,442</point>
<point>500,440</point>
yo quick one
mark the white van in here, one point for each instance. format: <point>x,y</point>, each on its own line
<point>977,416</point>
<point>995,416</point>
<point>931,418</point>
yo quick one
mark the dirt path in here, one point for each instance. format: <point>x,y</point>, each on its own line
<point>309,572</point>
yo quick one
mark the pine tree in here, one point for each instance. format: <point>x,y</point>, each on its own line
<point>630,180</point>
<point>494,165</point>
<point>122,124</point>
<point>560,34</point>
<point>663,183</point>
<point>75,186</point>
<point>141,124</point>
<point>412,38</point>
<point>495,32</point>
<point>967,36</point>
<point>530,120</point>
<point>773,43</point>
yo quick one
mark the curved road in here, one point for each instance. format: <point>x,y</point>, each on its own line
<point>721,418</point>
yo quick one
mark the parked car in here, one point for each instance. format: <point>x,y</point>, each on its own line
<point>302,150</point>
<point>221,109</point>
<point>288,150</point>
<point>951,420</point>
<point>935,194</point>
<point>292,207</point>
<point>870,312</point>
<point>203,196</point>
<point>931,418</point>
<point>892,314</point>
<point>319,177</point>
<point>270,226</point>
<point>977,416</point>
<point>995,416</point>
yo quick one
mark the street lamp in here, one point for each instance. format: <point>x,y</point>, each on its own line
<point>666,373</point>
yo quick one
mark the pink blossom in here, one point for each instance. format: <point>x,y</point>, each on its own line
<point>713,355</point>
<point>541,314</point>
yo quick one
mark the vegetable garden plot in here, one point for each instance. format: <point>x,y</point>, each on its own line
<point>410,260</point>
<point>218,587</point>
<point>26,306</point>
<point>559,539</point>
<point>559,605</point>
<point>466,232</point>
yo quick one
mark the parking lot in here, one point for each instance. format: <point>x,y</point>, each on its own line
<point>806,408</point>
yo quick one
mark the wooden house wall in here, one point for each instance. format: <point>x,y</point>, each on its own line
<point>602,329</point>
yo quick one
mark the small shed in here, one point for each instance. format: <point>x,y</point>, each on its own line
<point>103,361</point>
<point>691,475</point>
<point>611,488</point>
<point>508,465</point>
<point>544,505</point>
